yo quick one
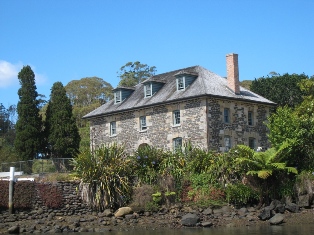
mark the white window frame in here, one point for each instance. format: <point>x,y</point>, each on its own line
<point>148,90</point>
<point>250,118</point>
<point>143,125</point>
<point>180,83</point>
<point>117,97</point>
<point>226,115</point>
<point>113,128</point>
<point>227,143</point>
<point>177,143</point>
<point>252,140</point>
<point>176,117</point>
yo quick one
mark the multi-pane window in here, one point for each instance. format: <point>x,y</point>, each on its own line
<point>227,141</point>
<point>177,144</point>
<point>180,83</point>
<point>148,90</point>
<point>226,115</point>
<point>143,123</point>
<point>113,128</point>
<point>117,97</point>
<point>250,118</point>
<point>252,143</point>
<point>176,117</point>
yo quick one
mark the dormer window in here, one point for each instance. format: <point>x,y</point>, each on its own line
<point>180,83</point>
<point>117,97</point>
<point>148,90</point>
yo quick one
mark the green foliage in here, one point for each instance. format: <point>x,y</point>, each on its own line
<point>281,89</point>
<point>60,127</point>
<point>146,163</point>
<point>43,165</point>
<point>86,95</point>
<point>108,172</point>
<point>240,194</point>
<point>157,197</point>
<point>28,141</point>
<point>246,84</point>
<point>265,167</point>
<point>133,73</point>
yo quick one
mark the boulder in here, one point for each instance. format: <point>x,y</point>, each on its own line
<point>190,220</point>
<point>292,207</point>
<point>208,211</point>
<point>304,200</point>
<point>122,211</point>
<point>14,230</point>
<point>206,224</point>
<point>265,213</point>
<point>277,219</point>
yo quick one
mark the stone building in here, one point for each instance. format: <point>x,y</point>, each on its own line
<point>191,104</point>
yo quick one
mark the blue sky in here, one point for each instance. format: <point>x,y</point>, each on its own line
<point>65,40</point>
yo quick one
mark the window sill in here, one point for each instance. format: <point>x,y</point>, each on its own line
<point>177,125</point>
<point>113,135</point>
<point>143,131</point>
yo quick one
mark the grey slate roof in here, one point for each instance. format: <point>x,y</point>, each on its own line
<point>207,83</point>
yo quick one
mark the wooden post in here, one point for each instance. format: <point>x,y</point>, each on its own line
<point>12,171</point>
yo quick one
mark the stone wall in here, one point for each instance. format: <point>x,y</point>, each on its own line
<point>160,130</point>
<point>201,123</point>
<point>238,128</point>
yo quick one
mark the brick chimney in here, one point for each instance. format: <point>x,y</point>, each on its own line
<point>233,72</point>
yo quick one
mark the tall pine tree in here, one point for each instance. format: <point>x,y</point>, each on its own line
<point>60,126</point>
<point>29,124</point>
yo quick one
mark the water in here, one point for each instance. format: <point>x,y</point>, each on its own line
<point>263,230</point>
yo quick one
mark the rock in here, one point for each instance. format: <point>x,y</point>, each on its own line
<point>265,213</point>
<point>208,211</point>
<point>218,211</point>
<point>277,219</point>
<point>14,230</point>
<point>280,208</point>
<point>292,207</point>
<point>206,224</point>
<point>242,211</point>
<point>40,211</point>
<point>107,213</point>
<point>226,209</point>
<point>190,220</point>
<point>304,200</point>
<point>123,211</point>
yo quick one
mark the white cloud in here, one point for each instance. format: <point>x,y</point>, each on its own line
<point>8,73</point>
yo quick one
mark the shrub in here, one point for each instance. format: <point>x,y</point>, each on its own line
<point>108,173</point>
<point>142,197</point>
<point>240,194</point>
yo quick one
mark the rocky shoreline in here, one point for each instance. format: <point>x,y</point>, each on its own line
<point>175,217</point>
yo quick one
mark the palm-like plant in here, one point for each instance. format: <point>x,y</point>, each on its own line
<point>265,165</point>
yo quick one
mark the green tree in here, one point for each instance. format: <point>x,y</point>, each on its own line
<point>246,84</point>
<point>281,89</point>
<point>133,73</point>
<point>29,124</point>
<point>60,127</point>
<point>263,165</point>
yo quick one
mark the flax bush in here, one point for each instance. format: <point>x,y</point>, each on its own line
<point>107,172</point>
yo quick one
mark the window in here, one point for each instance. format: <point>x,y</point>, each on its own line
<point>177,144</point>
<point>176,117</point>
<point>226,115</point>
<point>117,97</point>
<point>143,123</point>
<point>180,83</point>
<point>250,118</point>
<point>148,90</point>
<point>113,128</point>
<point>227,141</point>
<point>252,143</point>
